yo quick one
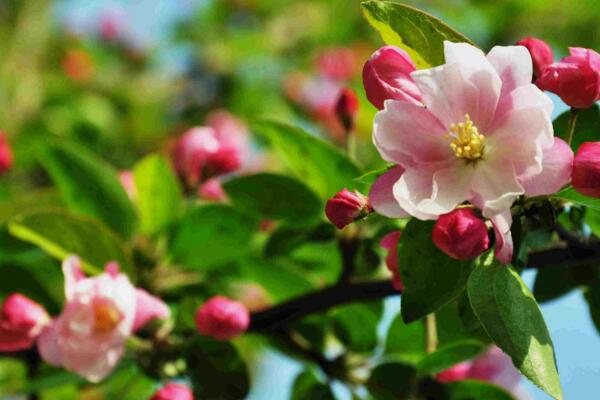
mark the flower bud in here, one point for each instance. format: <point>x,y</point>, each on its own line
<point>6,155</point>
<point>173,391</point>
<point>586,169</point>
<point>458,372</point>
<point>386,75</point>
<point>21,321</point>
<point>191,152</point>
<point>346,207</point>
<point>541,54</point>
<point>346,108</point>
<point>212,190</point>
<point>390,243</point>
<point>222,318</point>
<point>575,79</point>
<point>461,234</point>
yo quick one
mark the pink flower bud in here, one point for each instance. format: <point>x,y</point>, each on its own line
<point>576,78</point>
<point>346,207</point>
<point>541,54</point>
<point>347,108</point>
<point>6,155</point>
<point>458,372</point>
<point>173,391</point>
<point>191,152</point>
<point>21,321</point>
<point>586,169</point>
<point>390,243</point>
<point>222,318</point>
<point>212,190</point>
<point>461,234</point>
<point>128,182</point>
<point>386,75</point>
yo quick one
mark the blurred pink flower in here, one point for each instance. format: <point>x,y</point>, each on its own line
<point>99,314</point>
<point>6,155</point>
<point>390,243</point>
<point>337,63</point>
<point>481,135</point>
<point>128,182</point>
<point>222,318</point>
<point>21,321</point>
<point>212,190</point>
<point>173,391</point>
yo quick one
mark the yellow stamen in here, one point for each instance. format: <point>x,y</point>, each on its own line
<point>106,317</point>
<point>466,141</point>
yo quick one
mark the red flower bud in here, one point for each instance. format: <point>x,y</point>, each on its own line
<point>346,108</point>
<point>6,155</point>
<point>390,243</point>
<point>173,391</point>
<point>21,321</point>
<point>222,318</point>
<point>576,78</point>
<point>461,234</point>
<point>346,207</point>
<point>541,54</point>
<point>212,190</point>
<point>386,75</point>
<point>586,169</point>
<point>458,372</point>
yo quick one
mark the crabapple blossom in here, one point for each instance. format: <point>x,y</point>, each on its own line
<point>173,391</point>
<point>6,155</point>
<point>346,207</point>
<point>575,78</point>
<point>222,318</point>
<point>461,234</point>
<point>390,243</point>
<point>21,321</point>
<point>541,54</point>
<point>482,133</point>
<point>586,169</point>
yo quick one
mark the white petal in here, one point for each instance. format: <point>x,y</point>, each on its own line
<point>381,195</point>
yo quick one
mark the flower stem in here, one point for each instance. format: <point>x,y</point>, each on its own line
<point>431,338</point>
<point>571,126</point>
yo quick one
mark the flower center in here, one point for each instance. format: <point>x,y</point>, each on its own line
<point>106,317</point>
<point>466,141</point>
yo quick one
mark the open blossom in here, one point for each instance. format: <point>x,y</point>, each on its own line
<point>222,318</point>
<point>390,243</point>
<point>575,78</point>
<point>492,366</point>
<point>21,321</point>
<point>99,314</point>
<point>6,155</point>
<point>173,391</point>
<point>482,134</point>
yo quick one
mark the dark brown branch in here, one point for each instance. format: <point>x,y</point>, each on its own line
<point>283,314</point>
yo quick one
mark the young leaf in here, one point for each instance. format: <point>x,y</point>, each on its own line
<point>210,236</point>
<point>274,196</point>
<point>420,34</point>
<point>317,163</point>
<point>449,355</point>
<point>159,198</point>
<point>431,278</point>
<point>512,318</point>
<point>391,381</point>
<point>61,233</point>
<point>308,386</point>
<point>574,196</point>
<point>89,185</point>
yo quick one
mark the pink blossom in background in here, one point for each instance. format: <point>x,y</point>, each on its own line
<point>21,322</point>
<point>339,64</point>
<point>6,155</point>
<point>173,391</point>
<point>222,318</point>
<point>575,78</point>
<point>390,243</point>
<point>99,314</point>
<point>482,134</point>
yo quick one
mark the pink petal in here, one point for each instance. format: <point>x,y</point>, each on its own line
<point>557,164</point>
<point>48,346</point>
<point>504,241</point>
<point>406,133</point>
<point>73,273</point>
<point>430,190</point>
<point>514,66</point>
<point>381,196</point>
<point>147,308</point>
<point>495,186</point>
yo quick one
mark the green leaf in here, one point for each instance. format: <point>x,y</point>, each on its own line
<point>476,390</point>
<point>356,327</point>
<point>317,163</point>
<point>420,34</point>
<point>89,185</point>
<point>391,381</point>
<point>216,370</point>
<point>280,282</point>
<point>285,238</point>
<point>210,236</point>
<point>41,281</point>
<point>573,196</point>
<point>61,233</point>
<point>276,197</point>
<point>308,386</point>
<point>512,318</point>
<point>586,130</point>
<point>405,342</point>
<point>447,356</point>
<point>431,278</point>
<point>158,197</point>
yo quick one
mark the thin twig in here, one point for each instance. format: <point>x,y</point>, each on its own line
<point>431,337</point>
<point>571,126</point>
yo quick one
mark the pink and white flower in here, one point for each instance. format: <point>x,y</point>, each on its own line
<point>482,133</point>
<point>99,314</point>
